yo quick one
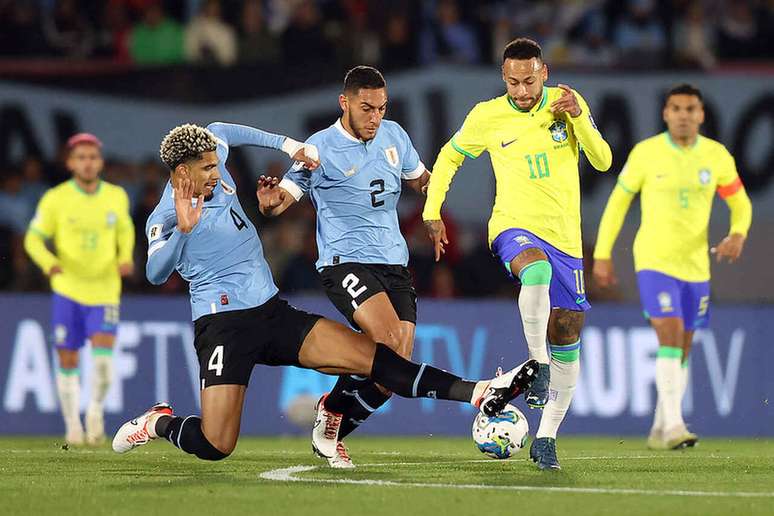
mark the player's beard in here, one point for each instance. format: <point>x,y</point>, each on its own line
<point>358,133</point>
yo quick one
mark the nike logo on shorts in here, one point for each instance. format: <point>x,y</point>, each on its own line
<point>580,300</point>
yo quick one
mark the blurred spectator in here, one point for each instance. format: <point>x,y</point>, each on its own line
<point>399,48</point>
<point>256,43</point>
<point>447,38</point>
<point>21,33</point>
<point>33,187</point>
<point>114,31</point>
<point>640,36</point>
<point>156,39</point>
<point>738,30</point>
<point>67,31</point>
<point>694,37</point>
<point>210,40</point>
<point>304,40</point>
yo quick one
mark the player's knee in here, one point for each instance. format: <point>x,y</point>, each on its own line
<point>221,446</point>
<point>538,272</point>
<point>391,336</point>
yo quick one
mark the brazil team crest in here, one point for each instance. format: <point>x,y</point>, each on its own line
<point>558,131</point>
<point>111,219</point>
<point>705,176</point>
<point>392,156</point>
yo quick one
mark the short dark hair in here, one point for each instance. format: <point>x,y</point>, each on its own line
<point>684,89</point>
<point>522,48</point>
<point>362,76</point>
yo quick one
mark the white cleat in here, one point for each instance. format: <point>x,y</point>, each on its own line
<point>325,432</point>
<point>341,460</point>
<point>504,387</point>
<point>135,433</point>
<point>95,427</point>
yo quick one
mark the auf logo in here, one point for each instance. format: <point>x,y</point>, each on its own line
<point>558,131</point>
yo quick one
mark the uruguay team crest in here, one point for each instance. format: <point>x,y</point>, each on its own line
<point>392,156</point>
<point>705,176</point>
<point>558,131</point>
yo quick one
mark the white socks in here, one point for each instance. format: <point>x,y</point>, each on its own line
<point>68,384</point>
<point>658,419</point>
<point>535,309</point>
<point>670,386</point>
<point>564,377</point>
<point>102,377</point>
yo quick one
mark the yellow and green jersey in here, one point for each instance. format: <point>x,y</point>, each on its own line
<point>677,186</point>
<point>535,160</point>
<point>91,235</point>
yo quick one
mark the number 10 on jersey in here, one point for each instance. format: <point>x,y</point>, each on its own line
<point>540,162</point>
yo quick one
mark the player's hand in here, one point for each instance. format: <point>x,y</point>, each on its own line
<point>567,103</point>
<point>729,248</point>
<point>436,230</point>
<point>187,215</point>
<point>269,194</point>
<point>604,273</point>
<point>56,269</point>
<point>125,269</point>
<point>308,155</point>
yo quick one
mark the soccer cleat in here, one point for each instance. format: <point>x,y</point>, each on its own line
<point>503,388</point>
<point>325,432</point>
<point>341,459</point>
<point>537,395</point>
<point>95,427</point>
<point>656,440</point>
<point>135,433</point>
<point>543,453</point>
<point>679,437</point>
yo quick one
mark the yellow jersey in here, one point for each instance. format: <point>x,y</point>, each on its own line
<point>535,157</point>
<point>91,235</point>
<point>677,186</point>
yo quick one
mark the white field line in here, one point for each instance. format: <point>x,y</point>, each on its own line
<point>289,475</point>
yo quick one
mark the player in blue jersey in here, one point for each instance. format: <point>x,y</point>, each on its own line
<point>364,162</point>
<point>200,230</point>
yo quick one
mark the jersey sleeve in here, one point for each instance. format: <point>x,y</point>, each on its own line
<point>297,181</point>
<point>42,228</point>
<point>594,146</point>
<point>728,177</point>
<point>634,171</point>
<point>732,191</point>
<point>469,140</point>
<point>411,166</point>
<point>125,229</point>
<point>165,245</point>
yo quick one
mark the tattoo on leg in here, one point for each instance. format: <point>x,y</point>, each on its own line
<point>564,326</point>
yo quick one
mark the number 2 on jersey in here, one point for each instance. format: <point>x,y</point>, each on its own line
<point>379,184</point>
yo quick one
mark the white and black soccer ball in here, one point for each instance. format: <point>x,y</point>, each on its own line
<point>501,436</point>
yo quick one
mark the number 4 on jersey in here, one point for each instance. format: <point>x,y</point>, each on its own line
<point>238,221</point>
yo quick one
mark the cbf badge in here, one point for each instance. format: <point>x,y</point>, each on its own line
<point>111,219</point>
<point>558,131</point>
<point>705,176</point>
<point>392,156</point>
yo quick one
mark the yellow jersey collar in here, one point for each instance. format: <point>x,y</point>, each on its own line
<point>535,108</point>
<point>84,192</point>
<point>679,148</point>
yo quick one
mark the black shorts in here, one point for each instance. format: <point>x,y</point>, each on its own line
<point>229,344</point>
<point>348,285</point>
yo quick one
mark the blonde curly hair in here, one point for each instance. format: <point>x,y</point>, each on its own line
<point>186,142</point>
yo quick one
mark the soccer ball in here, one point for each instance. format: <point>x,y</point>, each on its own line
<point>503,435</point>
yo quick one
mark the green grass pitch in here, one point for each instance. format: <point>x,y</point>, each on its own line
<point>396,476</point>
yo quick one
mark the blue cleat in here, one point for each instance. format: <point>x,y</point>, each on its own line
<point>543,453</point>
<point>537,395</point>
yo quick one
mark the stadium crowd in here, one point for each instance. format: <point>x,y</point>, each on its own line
<point>391,34</point>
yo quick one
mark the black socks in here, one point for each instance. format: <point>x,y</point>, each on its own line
<point>186,434</point>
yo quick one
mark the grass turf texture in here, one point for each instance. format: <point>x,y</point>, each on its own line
<point>37,476</point>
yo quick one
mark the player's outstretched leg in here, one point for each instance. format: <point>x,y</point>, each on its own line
<point>334,349</point>
<point>564,329</point>
<point>102,378</point>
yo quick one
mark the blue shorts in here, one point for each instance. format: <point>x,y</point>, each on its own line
<point>74,323</point>
<point>665,296</point>
<point>567,289</point>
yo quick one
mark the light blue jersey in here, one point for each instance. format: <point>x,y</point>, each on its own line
<point>222,257</point>
<point>355,191</point>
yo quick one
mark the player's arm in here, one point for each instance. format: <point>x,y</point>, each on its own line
<point>419,184</point>
<point>125,234</point>
<point>167,235</point>
<point>40,230</point>
<point>467,142</point>
<point>594,146</point>
<point>629,183</point>
<point>413,171</point>
<point>273,199</point>
<point>732,191</point>
<point>235,135</point>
